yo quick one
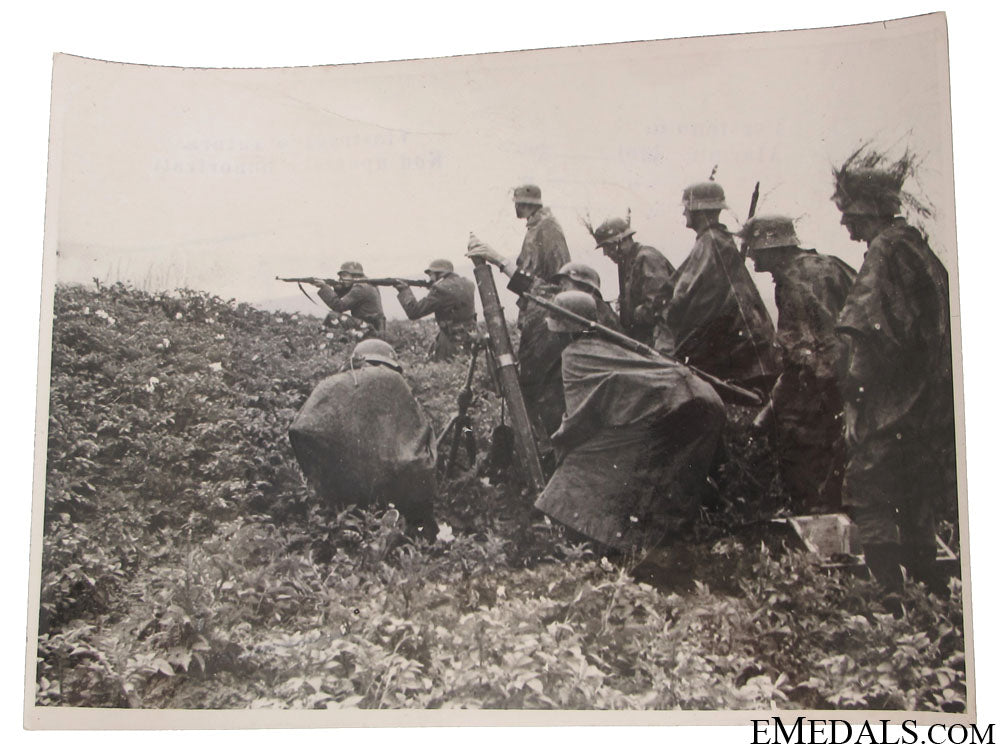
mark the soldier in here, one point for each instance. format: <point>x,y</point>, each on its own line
<point>636,441</point>
<point>716,319</point>
<point>543,253</point>
<point>583,278</point>
<point>452,299</point>
<point>644,278</point>
<point>362,439</point>
<point>361,300</point>
<point>544,250</point>
<point>899,407</point>
<point>806,409</point>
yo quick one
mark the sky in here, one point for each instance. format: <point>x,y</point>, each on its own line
<point>222,179</point>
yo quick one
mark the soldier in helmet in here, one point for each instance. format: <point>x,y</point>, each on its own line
<point>543,253</point>
<point>354,296</point>
<point>899,407</point>
<point>805,409</point>
<point>635,443</point>
<point>583,278</point>
<point>644,278</point>
<point>544,250</point>
<point>362,439</point>
<point>452,300</point>
<point>716,319</point>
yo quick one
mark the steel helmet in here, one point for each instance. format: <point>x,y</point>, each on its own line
<point>868,192</point>
<point>375,350</point>
<point>763,232</point>
<point>440,265</point>
<point>352,267</point>
<point>580,303</point>
<point>704,196</point>
<point>612,230</point>
<point>528,194</point>
<point>580,273</point>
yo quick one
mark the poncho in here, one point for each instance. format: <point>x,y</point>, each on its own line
<point>716,319</point>
<point>362,439</point>
<point>636,442</point>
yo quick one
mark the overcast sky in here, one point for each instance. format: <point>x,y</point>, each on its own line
<point>221,179</point>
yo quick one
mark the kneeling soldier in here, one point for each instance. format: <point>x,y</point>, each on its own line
<point>362,439</point>
<point>636,441</point>
<point>452,300</point>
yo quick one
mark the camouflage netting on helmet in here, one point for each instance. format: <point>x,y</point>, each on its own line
<point>362,439</point>
<point>871,182</point>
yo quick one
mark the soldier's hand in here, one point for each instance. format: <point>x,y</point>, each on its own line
<point>479,249</point>
<point>400,285</point>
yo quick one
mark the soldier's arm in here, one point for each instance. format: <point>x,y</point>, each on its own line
<point>337,302</point>
<point>414,308</point>
<point>657,287</point>
<point>479,249</point>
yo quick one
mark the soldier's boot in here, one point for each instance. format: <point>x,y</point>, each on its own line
<point>883,562</point>
<point>920,561</point>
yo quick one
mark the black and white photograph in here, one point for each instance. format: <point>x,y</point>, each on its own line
<point>617,383</point>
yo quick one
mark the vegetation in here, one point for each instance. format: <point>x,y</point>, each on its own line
<point>185,565</point>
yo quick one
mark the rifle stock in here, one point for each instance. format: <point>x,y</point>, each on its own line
<point>736,394</point>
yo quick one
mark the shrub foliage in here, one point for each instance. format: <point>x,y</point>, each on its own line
<point>185,565</point>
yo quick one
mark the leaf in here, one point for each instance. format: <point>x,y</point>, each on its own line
<point>162,665</point>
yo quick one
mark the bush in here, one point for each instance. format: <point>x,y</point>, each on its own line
<point>185,566</point>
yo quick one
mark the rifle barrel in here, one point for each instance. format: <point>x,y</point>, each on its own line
<point>391,281</point>
<point>737,393</point>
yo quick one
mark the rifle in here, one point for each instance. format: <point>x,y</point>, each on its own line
<point>745,244</point>
<point>348,282</point>
<point>388,282</point>
<point>736,394</point>
<point>460,425</point>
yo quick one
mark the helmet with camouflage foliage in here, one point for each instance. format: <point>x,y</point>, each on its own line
<point>580,273</point>
<point>351,268</point>
<point>612,230</point>
<point>704,196</point>
<point>763,232</point>
<point>375,351</point>
<point>528,194</point>
<point>440,265</point>
<point>868,192</point>
<point>581,303</point>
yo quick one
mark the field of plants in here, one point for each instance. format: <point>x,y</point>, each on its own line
<point>185,566</point>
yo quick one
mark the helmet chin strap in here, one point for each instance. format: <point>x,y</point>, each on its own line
<point>354,375</point>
